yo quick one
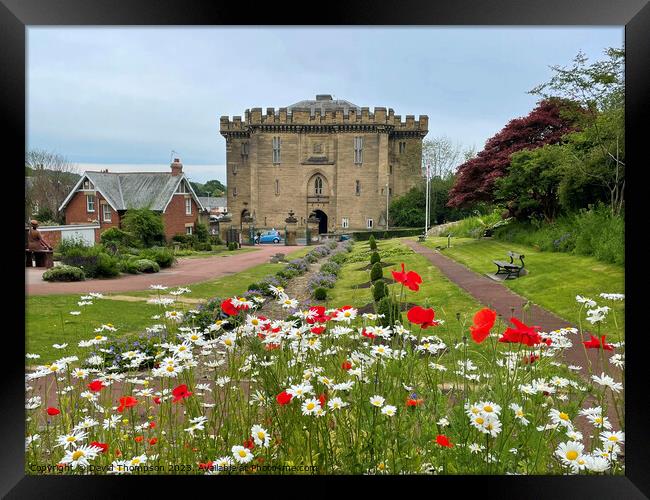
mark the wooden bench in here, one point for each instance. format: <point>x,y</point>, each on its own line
<point>42,258</point>
<point>510,269</point>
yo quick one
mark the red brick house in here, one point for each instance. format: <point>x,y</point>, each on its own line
<point>104,197</point>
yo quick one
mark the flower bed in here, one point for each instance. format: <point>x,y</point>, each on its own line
<point>330,391</point>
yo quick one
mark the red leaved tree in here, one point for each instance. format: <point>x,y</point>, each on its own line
<point>546,124</point>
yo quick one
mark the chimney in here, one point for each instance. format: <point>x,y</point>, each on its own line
<point>177,167</point>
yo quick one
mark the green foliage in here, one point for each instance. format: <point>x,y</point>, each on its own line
<point>201,231</point>
<point>215,239</point>
<point>320,293</point>
<point>331,267</point>
<point>64,273</point>
<point>372,242</point>
<point>379,290</point>
<point>95,262</point>
<point>475,227</point>
<point>127,264</point>
<point>390,309</point>
<point>339,258</point>
<point>145,225</point>
<point>232,246</point>
<point>594,232</point>
<point>374,257</point>
<point>376,272</point>
<point>203,247</point>
<point>117,237</point>
<point>211,188</point>
<point>146,266</point>
<point>163,256</point>
<point>392,233</point>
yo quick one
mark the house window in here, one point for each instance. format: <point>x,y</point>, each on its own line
<point>345,223</point>
<point>276,150</point>
<point>188,206</point>
<point>188,230</point>
<point>402,148</point>
<point>357,187</point>
<point>318,186</point>
<point>90,203</point>
<point>87,185</point>
<point>106,212</point>
<point>358,150</point>
<point>370,223</point>
<point>182,188</point>
<point>277,187</point>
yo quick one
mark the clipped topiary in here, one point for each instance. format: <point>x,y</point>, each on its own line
<point>320,293</point>
<point>376,272</point>
<point>390,309</point>
<point>64,273</point>
<point>372,242</point>
<point>232,246</point>
<point>379,290</point>
<point>146,266</point>
<point>374,258</point>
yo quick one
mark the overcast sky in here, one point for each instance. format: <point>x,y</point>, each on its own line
<point>124,98</point>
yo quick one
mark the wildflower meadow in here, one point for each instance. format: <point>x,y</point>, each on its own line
<point>328,389</point>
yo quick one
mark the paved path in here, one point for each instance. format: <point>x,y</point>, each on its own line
<point>185,272</point>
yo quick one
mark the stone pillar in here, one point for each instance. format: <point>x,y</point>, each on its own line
<point>312,227</point>
<point>290,230</point>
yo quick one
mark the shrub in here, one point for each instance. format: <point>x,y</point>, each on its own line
<point>339,258</point>
<point>390,309</point>
<point>372,242</point>
<point>164,257</point>
<point>374,258</point>
<point>145,225</point>
<point>73,244</point>
<point>146,266</point>
<point>215,240</point>
<point>376,272</point>
<point>379,290</point>
<point>287,274</point>
<point>232,246</point>
<point>330,267</point>
<point>320,280</point>
<point>332,245</point>
<point>64,273</point>
<point>385,235</point>
<point>299,265</point>
<point>320,294</point>
<point>94,261</point>
<point>127,265</point>
<point>118,237</point>
<point>203,247</point>
<point>201,231</point>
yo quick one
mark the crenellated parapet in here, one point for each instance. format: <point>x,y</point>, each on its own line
<point>307,119</point>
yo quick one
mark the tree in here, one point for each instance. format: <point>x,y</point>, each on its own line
<point>53,176</point>
<point>599,88</point>
<point>145,224</point>
<point>546,124</point>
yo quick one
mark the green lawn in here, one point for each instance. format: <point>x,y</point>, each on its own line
<point>554,278</point>
<point>436,291</point>
<point>45,313</point>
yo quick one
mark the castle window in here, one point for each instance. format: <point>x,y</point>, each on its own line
<point>369,223</point>
<point>276,150</point>
<point>402,148</point>
<point>345,222</point>
<point>357,187</point>
<point>234,169</point>
<point>390,169</point>
<point>318,186</point>
<point>358,150</point>
<point>277,187</point>
<point>244,149</point>
<point>90,203</point>
<point>234,191</point>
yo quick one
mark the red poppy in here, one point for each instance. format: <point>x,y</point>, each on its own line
<point>412,403</point>
<point>409,279</point>
<point>96,386</point>
<point>51,411</point>
<point>522,334</point>
<point>138,439</point>
<point>483,323</point>
<point>153,441</point>
<point>103,446</point>
<point>180,392</point>
<point>270,347</point>
<point>323,399</point>
<point>249,443</point>
<point>421,316</point>
<point>152,425</point>
<point>284,398</point>
<point>127,402</point>
<point>346,365</point>
<point>156,400</point>
<point>318,315</point>
<point>443,441</point>
<point>365,333</point>
<point>118,453</point>
<point>228,307</point>
<point>318,329</point>
<point>530,359</point>
<point>596,343</point>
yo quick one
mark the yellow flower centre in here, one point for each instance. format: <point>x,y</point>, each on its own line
<point>564,416</point>
<point>612,438</point>
<point>242,453</point>
<point>488,408</point>
<point>98,337</point>
<point>71,439</point>
<point>520,413</point>
<point>182,348</point>
<point>260,435</point>
<point>54,368</point>
<point>310,406</point>
<point>135,461</point>
<point>228,342</point>
<point>489,427</point>
<point>479,421</point>
<point>475,410</point>
<point>571,455</point>
<point>347,314</point>
<point>77,455</point>
<point>598,420</point>
<point>170,368</point>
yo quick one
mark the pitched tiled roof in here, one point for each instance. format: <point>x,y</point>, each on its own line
<point>325,103</point>
<point>213,202</point>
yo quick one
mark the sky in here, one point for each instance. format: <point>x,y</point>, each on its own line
<point>124,98</point>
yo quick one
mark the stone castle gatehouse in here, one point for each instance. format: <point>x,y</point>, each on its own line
<point>326,157</point>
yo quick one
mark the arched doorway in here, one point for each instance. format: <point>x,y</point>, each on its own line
<point>244,214</point>
<point>322,220</point>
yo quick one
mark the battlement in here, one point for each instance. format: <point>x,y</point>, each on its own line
<point>300,116</point>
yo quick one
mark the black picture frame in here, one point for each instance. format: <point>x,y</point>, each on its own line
<point>17,15</point>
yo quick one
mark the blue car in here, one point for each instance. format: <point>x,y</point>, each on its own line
<point>270,237</point>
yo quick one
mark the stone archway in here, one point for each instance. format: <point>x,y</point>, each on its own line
<point>322,220</point>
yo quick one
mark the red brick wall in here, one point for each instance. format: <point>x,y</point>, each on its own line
<point>75,213</point>
<point>174,217</point>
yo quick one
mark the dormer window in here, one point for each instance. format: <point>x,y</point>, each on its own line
<point>182,188</point>
<point>87,185</point>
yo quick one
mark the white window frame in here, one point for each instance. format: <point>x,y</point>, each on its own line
<point>188,206</point>
<point>89,198</point>
<point>276,149</point>
<point>358,150</point>
<point>370,223</point>
<point>182,188</point>
<point>106,210</point>
<point>189,230</point>
<point>87,185</point>
<point>345,222</point>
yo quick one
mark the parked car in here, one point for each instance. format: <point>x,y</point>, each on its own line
<point>270,237</point>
